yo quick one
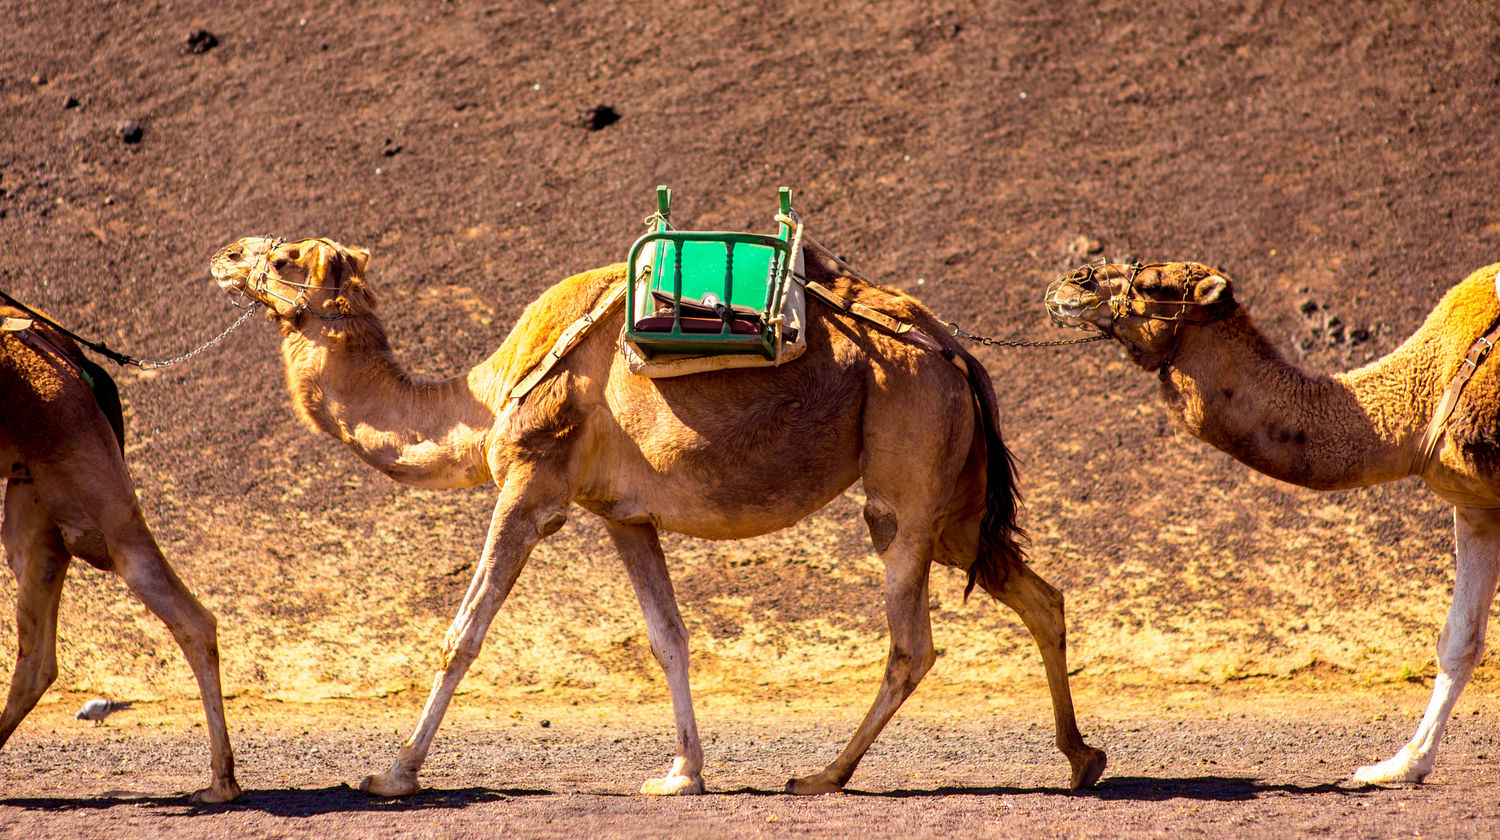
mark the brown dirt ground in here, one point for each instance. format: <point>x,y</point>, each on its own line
<point>1340,163</point>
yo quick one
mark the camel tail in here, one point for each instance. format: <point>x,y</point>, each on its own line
<point>107,394</point>
<point>1000,538</point>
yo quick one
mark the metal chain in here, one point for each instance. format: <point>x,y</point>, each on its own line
<point>150,365</point>
<point>1006,342</point>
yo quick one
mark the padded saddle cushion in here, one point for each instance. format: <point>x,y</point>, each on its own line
<point>738,324</point>
<point>698,318</point>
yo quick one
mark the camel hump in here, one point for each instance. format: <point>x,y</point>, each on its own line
<point>545,320</point>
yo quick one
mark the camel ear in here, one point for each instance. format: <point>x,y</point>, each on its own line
<point>1212,289</point>
<point>355,260</point>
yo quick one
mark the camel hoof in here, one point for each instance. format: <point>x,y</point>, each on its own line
<point>1088,766</point>
<point>390,785</point>
<point>1394,770</point>
<point>813,785</point>
<point>217,793</point>
<point>673,786</point>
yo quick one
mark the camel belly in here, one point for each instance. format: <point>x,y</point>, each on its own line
<point>713,494</point>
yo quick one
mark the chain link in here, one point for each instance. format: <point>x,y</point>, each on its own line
<point>150,365</point>
<point>1008,342</point>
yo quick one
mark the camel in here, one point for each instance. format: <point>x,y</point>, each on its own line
<point>723,455</point>
<point>69,494</point>
<point>1225,384</point>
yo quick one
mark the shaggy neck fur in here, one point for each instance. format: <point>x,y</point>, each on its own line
<point>1229,387</point>
<point>345,381</point>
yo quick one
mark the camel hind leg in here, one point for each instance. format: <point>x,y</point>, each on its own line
<point>139,561</point>
<point>1040,606</point>
<point>907,564</point>
<point>1460,645</point>
<point>40,563</point>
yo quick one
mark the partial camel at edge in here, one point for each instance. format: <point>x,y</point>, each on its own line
<point>68,494</point>
<point>1225,383</point>
<point>722,455</point>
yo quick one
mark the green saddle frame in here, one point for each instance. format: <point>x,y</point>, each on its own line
<point>706,292</point>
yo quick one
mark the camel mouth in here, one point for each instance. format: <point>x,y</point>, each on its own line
<point>1070,304</point>
<point>233,266</point>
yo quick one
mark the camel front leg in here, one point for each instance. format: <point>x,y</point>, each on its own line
<point>1040,607</point>
<point>1459,647</point>
<point>911,656</point>
<point>40,563</point>
<point>519,522</point>
<point>641,551</point>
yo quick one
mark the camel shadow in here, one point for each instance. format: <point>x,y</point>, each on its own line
<point>284,802</point>
<point>307,802</point>
<point>1113,788</point>
<point>1143,789</point>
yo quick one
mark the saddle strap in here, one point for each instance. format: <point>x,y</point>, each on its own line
<point>1478,352</point>
<point>903,330</point>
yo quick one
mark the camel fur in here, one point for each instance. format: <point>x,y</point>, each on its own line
<point>1225,384</point>
<point>649,455</point>
<point>69,494</point>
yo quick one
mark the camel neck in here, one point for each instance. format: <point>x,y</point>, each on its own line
<point>1229,387</point>
<point>345,381</point>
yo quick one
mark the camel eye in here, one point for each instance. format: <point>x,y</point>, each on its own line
<point>234,255</point>
<point>280,263</point>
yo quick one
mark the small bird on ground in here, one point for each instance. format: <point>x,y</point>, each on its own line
<point>99,709</point>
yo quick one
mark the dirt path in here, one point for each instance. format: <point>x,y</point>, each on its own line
<point>1203,763</point>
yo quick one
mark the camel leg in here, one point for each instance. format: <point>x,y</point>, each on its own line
<point>40,563</point>
<point>523,516</point>
<point>139,561</point>
<point>1459,647</point>
<point>911,656</point>
<point>1040,607</point>
<point>641,551</point>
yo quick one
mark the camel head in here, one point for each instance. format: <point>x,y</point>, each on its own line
<point>307,276</point>
<point>1144,307</point>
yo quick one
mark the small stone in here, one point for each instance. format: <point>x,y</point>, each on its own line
<point>70,102</point>
<point>200,41</point>
<point>391,148</point>
<point>1308,307</point>
<point>546,724</point>
<point>599,118</point>
<point>39,79</point>
<point>131,132</point>
<point>1085,246</point>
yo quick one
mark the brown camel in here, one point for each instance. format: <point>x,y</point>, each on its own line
<point>69,494</point>
<point>1225,384</point>
<point>723,455</point>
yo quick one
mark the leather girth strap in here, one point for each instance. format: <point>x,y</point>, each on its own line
<point>901,329</point>
<point>1478,352</point>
